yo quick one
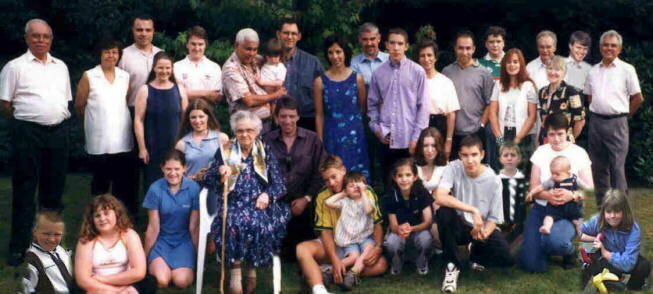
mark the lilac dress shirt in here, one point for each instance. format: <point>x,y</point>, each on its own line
<point>396,102</point>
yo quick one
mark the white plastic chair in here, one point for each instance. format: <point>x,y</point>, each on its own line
<point>206,219</point>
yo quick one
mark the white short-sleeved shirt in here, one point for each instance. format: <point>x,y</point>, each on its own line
<point>107,123</point>
<point>39,92</point>
<point>544,154</point>
<point>442,95</point>
<point>273,72</point>
<point>611,87</point>
<point>432,183</point>
<point>138,64</point>
<point>577,73</point>
<point>205,75</point>
<point>537,72</point>
<point>513,105</point>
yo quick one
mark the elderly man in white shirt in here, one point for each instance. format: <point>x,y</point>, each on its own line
<point>546,49</point>
<point>201,76</point>
<point>614,93</point>
<point>137,58</point>
<point>34,94</point>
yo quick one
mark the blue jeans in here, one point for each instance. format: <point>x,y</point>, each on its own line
<point>537,246</point>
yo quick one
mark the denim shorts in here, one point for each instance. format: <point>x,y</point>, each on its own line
<point>343,252</point>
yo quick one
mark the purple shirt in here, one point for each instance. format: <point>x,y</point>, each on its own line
<point>396,102</point>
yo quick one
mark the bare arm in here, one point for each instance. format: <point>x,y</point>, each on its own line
<point>319,107</point>
<point>181,145</point>
<point>528,124</point>
<point>368,208</point>
<point>427,220</point>
<point>250,99</point>
<point>635,102</point>
<point>84,271</point>
<point>7,109</point>
<point>493,116</point>
<point>153,229</point>
<point>587,238</point>
<point>184,99</point>
<point>486,115</point>
<point>332,202</point>
<point>139,116</point>
<point>194,226</point>
<point>444,199</point>
<point>394,224</point>
<point>451,125</point>
<point>362,93</point>
<point>83,89</point>
<point>578,128</point>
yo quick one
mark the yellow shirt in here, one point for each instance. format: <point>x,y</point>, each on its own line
<point>326,218</point>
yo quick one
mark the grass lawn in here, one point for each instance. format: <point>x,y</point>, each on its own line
<point>492,281</point>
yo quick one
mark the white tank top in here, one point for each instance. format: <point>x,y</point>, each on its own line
<point>109,261</point>
<point>107,123</point>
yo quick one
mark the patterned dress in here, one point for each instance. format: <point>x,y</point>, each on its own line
<point>253,235</point>
<point>343,124</point>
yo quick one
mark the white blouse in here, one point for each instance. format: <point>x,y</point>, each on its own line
<point>432,183</point>
<point>107,123</point>
<point>442,97</point>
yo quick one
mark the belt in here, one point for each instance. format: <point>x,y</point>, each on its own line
<point>609,116</point>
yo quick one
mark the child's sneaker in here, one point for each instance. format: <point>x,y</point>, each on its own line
<point>450,282</point>
<point>350,280</point>
<point>327,275</point>
<point>477,267</point>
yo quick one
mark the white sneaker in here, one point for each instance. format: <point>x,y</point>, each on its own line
<point>450,282</point>
<point>477,267</point>
<point>320,289</point>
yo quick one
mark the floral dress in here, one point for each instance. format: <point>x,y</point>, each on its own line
<point>252,235</point>
<point>344,134</point>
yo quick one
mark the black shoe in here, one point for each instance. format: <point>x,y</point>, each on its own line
<point>617,286</point>
<point>569,261</point>
<point>15,259</point>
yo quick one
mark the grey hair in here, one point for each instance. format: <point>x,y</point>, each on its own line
<point>547,33</point>
<point>558,62</point>
<point>368,27</point>
<point>612,33</point>
<point>28,25</point>
<point>245,114</point>
<point>247,34</point>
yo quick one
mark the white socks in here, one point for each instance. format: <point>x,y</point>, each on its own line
<point>235,283</point>
<point>320,289</point>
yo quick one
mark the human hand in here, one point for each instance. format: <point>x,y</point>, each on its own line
<point>262,201</point>
<point>374,256</point>
<point>411,147</point>
<point>213,96</point>
<point>362,188</point>
<point>529,196</point>
<point>339,271</point>
<point>447,147</point>
<point>597,244</point>
<point>144,155</point>
<point>223,171</point>
<point>282,91</point>
<point>298,205</point>
<point>517,140</point>
<point>199,175</point>
<point>561,196</point>
<point>477,225</point>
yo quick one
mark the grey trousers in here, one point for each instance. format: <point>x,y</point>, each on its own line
<point>608,147</point>
<point>395,247</point>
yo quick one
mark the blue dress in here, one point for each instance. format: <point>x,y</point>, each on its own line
<point>252,235</point>
<point>199,155</point>
<point>344,134</point>
<point>161,124</point>
<point>174,243</point>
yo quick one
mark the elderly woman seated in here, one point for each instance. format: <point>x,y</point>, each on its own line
<point>255,218</point>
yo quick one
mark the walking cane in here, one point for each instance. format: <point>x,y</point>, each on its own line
<point>225,193</point>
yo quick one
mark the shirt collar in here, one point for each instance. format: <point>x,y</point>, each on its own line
<point>613,64</point>
<point>276,134</point>
<point>489,58</point>
<point>199,63</point>
<point>185,184</point>
<point>363,58</point>
<point>474,64</point>
<point>402,62</point>
<point>49,58</point>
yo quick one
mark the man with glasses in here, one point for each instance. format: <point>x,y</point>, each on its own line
<point>34,94</point>
<point>302,69</point>
<point>299,152</point>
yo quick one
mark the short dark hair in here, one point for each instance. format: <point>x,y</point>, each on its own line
<point>353,177</point>
<point>173,154</point>
<point>286,102</point>
<point>273,47</point>
<point>335,39</point>
<point>106,44</point>
<point>144,16</point>
<point>426,44</point>
<point>464,34</point>
<point>471,141</point>
<point>198,32</point>
<point>580,37</point>
<point>556,121</point>
<point>495,31</point>
<point>288,20</point>
<point>399,31</point>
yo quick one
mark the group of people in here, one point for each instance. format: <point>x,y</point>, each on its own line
<point>297,176</point>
